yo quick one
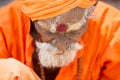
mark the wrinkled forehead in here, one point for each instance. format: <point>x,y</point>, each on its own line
<point>71,16</point>
<point>71,20</point>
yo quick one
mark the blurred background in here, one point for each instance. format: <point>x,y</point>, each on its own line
<point>115,3</point>
<point>4,2</point>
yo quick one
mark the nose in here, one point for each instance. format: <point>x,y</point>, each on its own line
<point>61,43</point>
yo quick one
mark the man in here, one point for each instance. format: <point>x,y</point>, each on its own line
<point>65,40</point>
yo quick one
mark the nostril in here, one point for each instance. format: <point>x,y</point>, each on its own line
<point>53,41</point>
<point>69,47</point>
<point>67,44</point>
<point>61,44</point>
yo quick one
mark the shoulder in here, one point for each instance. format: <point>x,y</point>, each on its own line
<point>10,9</point>
<point>12,13</point>
<point>13,21</point>
<point>107,12</point>
<point>12,18</point>
<point>107,17</point>
<point>104,25</point>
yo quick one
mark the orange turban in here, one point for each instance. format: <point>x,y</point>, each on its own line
<point>42,9</point>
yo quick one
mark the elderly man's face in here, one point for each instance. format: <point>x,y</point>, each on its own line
<point>57,32</point>
<point>59,36</point>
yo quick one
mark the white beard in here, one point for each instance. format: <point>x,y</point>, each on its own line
<point>51,57</point>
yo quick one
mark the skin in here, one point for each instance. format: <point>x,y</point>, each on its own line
<point>61,40</point>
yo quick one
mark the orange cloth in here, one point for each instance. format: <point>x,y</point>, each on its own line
<point>100,56</point>
<point>42,9</point>
<point>15,39</point>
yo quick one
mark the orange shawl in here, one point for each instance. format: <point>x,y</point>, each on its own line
<point>100,57</point>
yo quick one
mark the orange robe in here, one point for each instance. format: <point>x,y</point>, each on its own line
<point>99,58</point>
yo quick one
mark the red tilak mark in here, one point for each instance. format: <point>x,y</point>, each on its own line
<point>61,28</point>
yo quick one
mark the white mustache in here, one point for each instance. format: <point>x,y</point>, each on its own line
<point>51,48</point>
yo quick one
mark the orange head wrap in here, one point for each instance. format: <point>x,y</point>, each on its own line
<point>42,9</point>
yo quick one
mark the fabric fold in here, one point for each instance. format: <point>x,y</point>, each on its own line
<point>43,9</point>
